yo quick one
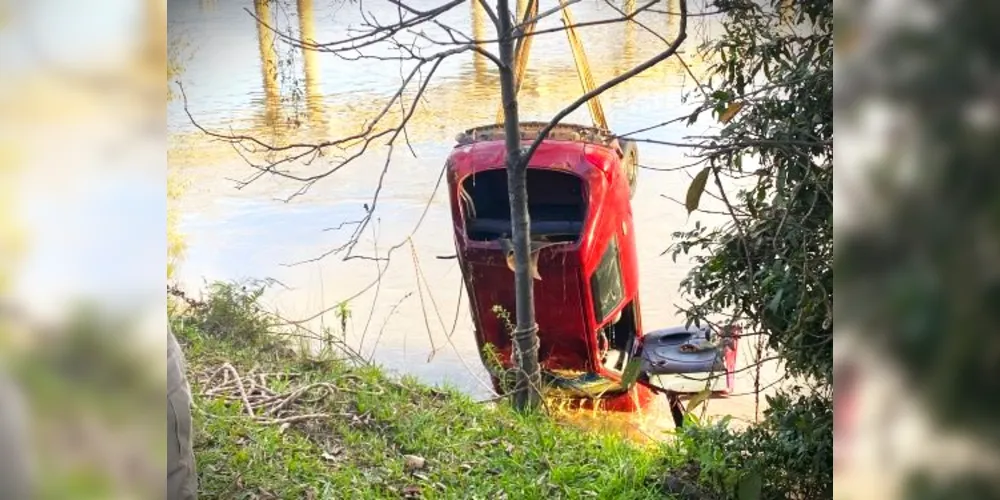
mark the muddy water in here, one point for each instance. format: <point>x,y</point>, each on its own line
<point>240,78</point>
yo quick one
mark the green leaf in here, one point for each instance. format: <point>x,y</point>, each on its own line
<point>749,487</point>
<point>695,190</point>
<point>631,372</point>
<point>699,398</point>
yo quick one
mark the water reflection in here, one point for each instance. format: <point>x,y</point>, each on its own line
<point>268,61</point>
<point>673,21</point>
<point>628,47</point>
<point>336,108</point>
<point>310,65</point>
<point>232,82</point>
<point>479,61</point>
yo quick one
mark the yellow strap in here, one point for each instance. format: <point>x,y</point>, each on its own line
<point>583,68</point>
<point>579,58</point>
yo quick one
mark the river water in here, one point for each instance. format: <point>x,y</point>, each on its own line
<point>240,78</point>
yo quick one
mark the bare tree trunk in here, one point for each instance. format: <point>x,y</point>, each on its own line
<point>526,390</point>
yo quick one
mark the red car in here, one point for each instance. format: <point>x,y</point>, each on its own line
<point>580,182</point>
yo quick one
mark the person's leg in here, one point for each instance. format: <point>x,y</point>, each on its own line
<point>16,478</point>
<point>182,479</point>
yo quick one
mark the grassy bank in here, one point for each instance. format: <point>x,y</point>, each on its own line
<point>322,427</point>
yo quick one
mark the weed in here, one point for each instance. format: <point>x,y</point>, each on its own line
<point>494,365</point>
<point>353,432</point>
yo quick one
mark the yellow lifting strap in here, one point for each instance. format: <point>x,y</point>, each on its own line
<point>583,68</point>
<point>579,58</point>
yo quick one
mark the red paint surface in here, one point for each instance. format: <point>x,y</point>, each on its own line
<point>564,308</point>
<point>729,358</point>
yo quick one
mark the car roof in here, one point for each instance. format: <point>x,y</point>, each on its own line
<point>530,130</point>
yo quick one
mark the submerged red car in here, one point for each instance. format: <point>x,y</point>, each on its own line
<point>580,181</point>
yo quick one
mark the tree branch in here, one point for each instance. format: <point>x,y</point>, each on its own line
<point>681,36</point>
<point>377,34</point>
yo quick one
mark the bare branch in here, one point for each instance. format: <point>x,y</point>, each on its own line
<point>299,151</point>
<point>342,224</point>
<point>376,34</point>
<point>652,127</point>
<point>543,15</point>
<point>627,17</point>
<point>681,36</point>
<point>471,44</point>
<point>712,148</point>
<point>691,14</point>
<point>519,30</point>
<point>664,40</point>
<point>388,254</point>
<point>385,322</point>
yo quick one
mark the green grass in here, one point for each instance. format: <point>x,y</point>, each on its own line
<point>471,449</point>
